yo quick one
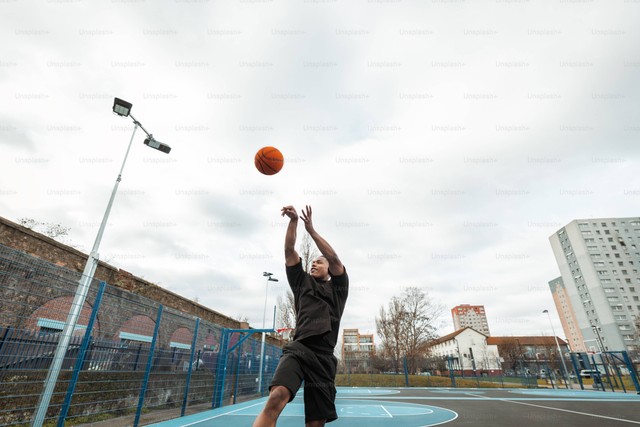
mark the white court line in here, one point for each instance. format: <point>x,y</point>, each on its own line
<point>220,415</point>
<point>574,412</point>
<point>385,410</point>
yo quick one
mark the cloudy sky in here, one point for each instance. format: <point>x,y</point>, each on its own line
<point>440,143</point>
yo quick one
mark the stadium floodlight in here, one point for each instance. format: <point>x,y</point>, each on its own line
<point>151,142</point>
<point>121,108</point>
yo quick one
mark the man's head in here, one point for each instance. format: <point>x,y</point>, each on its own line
<point>320,268</point>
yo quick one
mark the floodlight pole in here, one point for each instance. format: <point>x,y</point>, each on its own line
<point>77,304</point>
<point>564,367</point>
<point>264,317</point>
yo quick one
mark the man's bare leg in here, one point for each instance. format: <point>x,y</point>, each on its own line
<point>278,399</point>
<point>316,423</point>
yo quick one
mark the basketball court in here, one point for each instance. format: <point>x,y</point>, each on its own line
<point>418,407</point>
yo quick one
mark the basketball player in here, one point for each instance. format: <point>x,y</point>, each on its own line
<point>320,296</point>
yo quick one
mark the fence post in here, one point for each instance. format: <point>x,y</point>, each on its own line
<point>596,376</point>
<point>81,355</point>
<point>632,371</point>
<point>235,388</point>
<point>193,349</point>
<point>4,337</point>
<point>452,374</point>
<point>221,367</point>
<point>406,370</point>
<point>143,390</point>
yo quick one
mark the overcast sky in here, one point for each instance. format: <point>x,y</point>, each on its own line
<point>440,143</point>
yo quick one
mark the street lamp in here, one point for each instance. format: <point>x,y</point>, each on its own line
<point>564,367</point>
<point>264,318</point>
<point>123,109</point>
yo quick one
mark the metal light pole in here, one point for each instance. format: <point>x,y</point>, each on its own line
<point>564,367</point>
<point>264,318</point>
<point>121,108</point>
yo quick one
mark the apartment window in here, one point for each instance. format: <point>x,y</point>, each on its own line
<point>632,289</point>
<point>609,290</point>
<point>587,233</point>
<point>603,224</point>
<point>627,280</point>
<point>603,273</point>
<point>636,298</point>
<point>620,317</point>
<point>620,263</point>
<point>613,299</point>
<point>625,327</point>
<point>614,247</point>
<point>624,272</point>
<point>607,232</point>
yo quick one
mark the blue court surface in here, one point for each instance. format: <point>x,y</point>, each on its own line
<point>418,407</point>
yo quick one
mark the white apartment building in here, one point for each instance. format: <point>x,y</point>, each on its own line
<point>599,262</point>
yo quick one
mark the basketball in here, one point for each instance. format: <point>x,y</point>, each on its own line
<point>269,160</point>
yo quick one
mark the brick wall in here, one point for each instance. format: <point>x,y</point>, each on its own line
<point>30,242</point>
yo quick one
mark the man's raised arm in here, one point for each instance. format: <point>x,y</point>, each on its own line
<point>291,257</point>
<point>335,265</point>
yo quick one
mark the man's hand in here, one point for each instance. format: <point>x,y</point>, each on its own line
<point>290,212</point>
<point>307,219</point>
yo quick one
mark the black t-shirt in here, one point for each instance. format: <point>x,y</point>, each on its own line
<point>319,306</point>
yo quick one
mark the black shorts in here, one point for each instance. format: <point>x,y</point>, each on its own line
<point>318,371</point>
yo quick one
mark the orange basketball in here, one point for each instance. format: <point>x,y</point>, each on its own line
<point>269,160</point>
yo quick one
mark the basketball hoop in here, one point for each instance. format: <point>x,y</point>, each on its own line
<point>286,334</point>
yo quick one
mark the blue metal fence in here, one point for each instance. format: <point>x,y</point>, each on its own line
<point>128,357</point>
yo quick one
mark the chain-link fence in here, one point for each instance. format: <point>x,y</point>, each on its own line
<point>128,356</point>
<point>609,371</point>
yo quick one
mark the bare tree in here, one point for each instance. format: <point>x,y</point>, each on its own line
<point>308,251</point>
<point>286,311</point>
<point>408,326</point>
<point>512,352</point>
<point>49,229</point>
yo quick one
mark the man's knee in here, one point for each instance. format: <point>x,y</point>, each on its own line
<point>279,396</point>
<point>315,423</point>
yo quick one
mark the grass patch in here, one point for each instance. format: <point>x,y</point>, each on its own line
<point>386,380</point>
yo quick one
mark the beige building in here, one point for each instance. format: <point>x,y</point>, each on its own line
<point>567,315</point>
<point>357,350</point>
